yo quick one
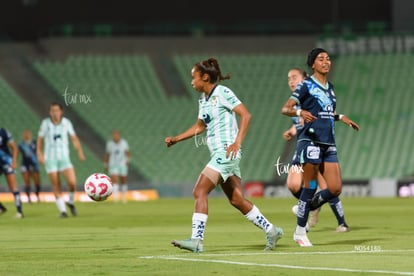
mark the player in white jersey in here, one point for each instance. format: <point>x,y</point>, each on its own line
<point>218,107</point>
<point>53,152</point>
<point>116,161</point>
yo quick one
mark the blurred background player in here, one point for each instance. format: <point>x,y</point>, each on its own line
<point>8,161</point>
<point>116,161</point>
<point>30,166</point>
<point>53,152</point>
<point>294,178</point>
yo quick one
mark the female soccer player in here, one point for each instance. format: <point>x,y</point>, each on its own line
<point>8,160</point>
<point>294,178</point>
<point>30,166</point>
<point>316,149</point>
<point>54,134</point>
<point>218,107</point>
<point>116,162</point>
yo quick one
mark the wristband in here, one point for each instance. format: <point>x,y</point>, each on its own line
<point>338,117</point>
<point>298,112</point>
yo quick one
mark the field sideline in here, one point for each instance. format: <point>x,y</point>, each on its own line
<point>109,238</point>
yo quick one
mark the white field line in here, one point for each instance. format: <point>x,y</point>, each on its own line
<point>181,258</point>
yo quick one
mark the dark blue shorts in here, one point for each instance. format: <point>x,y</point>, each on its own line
<point>310,152</point>
<point>28,166</point>
<point>5,164</point>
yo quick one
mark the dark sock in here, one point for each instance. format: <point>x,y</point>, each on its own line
<point>336,206</point>
<point>27,190</point>
<point>320,198</point>
<point>17,201</point>
<point>37,191</point>
<point>303,206</point>
<point>297,194</point>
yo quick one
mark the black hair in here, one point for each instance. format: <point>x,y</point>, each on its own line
<point>56,104</point>
<point>313,54</point>
<point>211,68</point>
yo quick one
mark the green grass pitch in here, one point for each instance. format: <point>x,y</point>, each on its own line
<point>109,238</point>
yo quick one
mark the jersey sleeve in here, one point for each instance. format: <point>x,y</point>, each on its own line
<point>42,129</point>
<point>300,93</point>
<point>70,128</point>
<point>229,99</point>
<point>9,136</point>
<point>108,147</point>
<point>126,145</point>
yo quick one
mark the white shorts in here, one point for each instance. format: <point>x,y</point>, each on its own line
<point>121,170</point>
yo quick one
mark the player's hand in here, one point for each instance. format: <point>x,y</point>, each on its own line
<point>169,141</point>
<point>14,164</point>
<point>287,135</point>
<point>40,158</point>
<point>81,156</point>
<point>307,116</point>
<point>350,123</point>
<point>232,150</point>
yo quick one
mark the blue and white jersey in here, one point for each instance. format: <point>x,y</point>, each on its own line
<point>319,100</point>
<point>56,138</point>
<point>5,138</point>
<point>28,151</point>
<point>216,111</point>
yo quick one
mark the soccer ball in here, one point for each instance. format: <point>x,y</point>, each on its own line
<point>98,186</point>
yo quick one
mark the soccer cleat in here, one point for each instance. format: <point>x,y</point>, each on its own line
<point>63,215</point>
<point>19,215</point>
<point>72,209</point>
<point>342,228</point>
<point>313,217</point>
<point>295,211</point>
<point>194,245</point>
<point>302,240</point>
<point>2,209</point>
<point>314,203</point>
<point>272,237</point>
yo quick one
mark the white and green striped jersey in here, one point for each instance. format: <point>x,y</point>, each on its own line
<point>216,111</point>
<point>56,138</point>
<point>117,152</point>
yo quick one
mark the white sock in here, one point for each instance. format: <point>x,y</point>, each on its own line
<point>258,219</point>
<point>300,230</point>
<point>71,197</point>
<point>60,203</point>
<point>124,189</point>
<point>199,224</point>
<point>115,191</point>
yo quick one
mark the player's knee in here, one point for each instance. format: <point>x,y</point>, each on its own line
<point>237,201</point>
<point>336,191</point>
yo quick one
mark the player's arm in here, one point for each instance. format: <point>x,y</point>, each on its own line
<point>289,110</point>
<point>77,145</point>
<point>39,150</point>
<point>245,118</point>
<point>128,155</point>
<point>289,133</point>
<point>347,121</point>
<point>14,151</point>
<point>196,129</point>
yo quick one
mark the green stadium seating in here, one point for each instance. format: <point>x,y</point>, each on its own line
<point>127,94</point>
<point>18,116</point>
